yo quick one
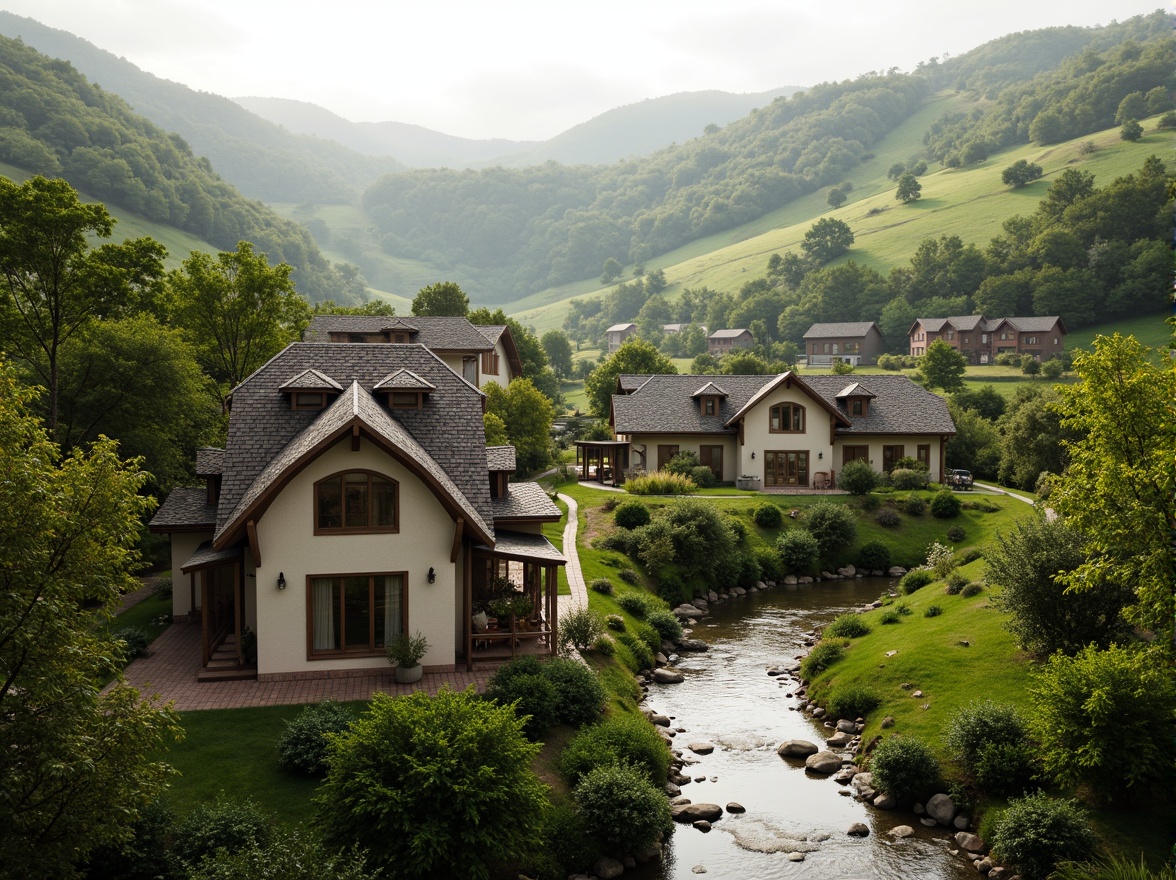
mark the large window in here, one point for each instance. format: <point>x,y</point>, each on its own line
<point>787,418</point>
<point>785,468</point>
<point>853,453</point>
<point>664,454</point>
<point>712,457</point>
<point>355,613</point>
<point>356,502</point>
<point>891,454</point>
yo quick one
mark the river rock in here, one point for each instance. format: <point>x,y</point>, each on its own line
<point>885,801</point>
<point>689,611</point>
<point>927,822</point>
<point>839,740</point>
<point>659,720</point>
<point>823,762</point>
<point>666,675</point>
<point>736,807</point>
<point>698,869</point>
<point>847,571</point>
<point>998,873</point>
<point>689,813</point>
<point>796,856</point>
<point>969,842</point>
<point>941,809</point>
<point>858,829</point>
<point>693,645</point>
<point>702,748</point>
<point>702,825</point>
<point>673,789</point>
<point>819,712</point>
<point>845,775</point>
<point>712,596</point>
<point>804,579</point>
<point>790,580</point>
<point>847,726</point>
<point>984,865</point>
<point>961,822</point>
<point>898,832</point>
<point>896,571</point>
<point>797,748</point>
<point>607,868</point>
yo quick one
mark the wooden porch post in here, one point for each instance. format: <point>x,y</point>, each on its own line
<point>238,606</point>
<point>468,606</point>
<point>207,654</point>
<point>551,583</point>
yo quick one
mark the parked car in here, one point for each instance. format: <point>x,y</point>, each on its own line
<point>959,479</point>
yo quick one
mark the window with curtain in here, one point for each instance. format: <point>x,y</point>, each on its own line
<point>356,613</point>
<point>361,502</point>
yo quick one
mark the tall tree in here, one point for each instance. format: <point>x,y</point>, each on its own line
<point>942,367</point>
<point>527,415</point>
<point>443,298</point>
<point>53,283</point>
<point>237,312</point>
<point>559,352</point>
<point>75,765</point>
<point>826,240</point>
<point>909,189</point>
<point>634,356</point>
<point>1118,489</point>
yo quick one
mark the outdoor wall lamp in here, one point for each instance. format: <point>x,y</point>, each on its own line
<point>820,455</point>
<point>432,575</point>
<point>281,580</point>
<point>753,456</point>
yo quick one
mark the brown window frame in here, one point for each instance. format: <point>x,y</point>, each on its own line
<point>857,407</point>
<point>706,458</point>
<point>404,400</point>
<point>662,457</point>
<point>803,462</point>
<point>344,529</point>
<point>901,447</point>
<point>854,452</point>
<point>792,407</point>
<point>490,363</point>
<point>369,650</point>
<point>297,403</point>
<point>923,454</point>
<point>708,406</point>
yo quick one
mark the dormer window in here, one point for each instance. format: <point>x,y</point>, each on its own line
<point>405,400</point>
<point>400,338</point>
<point>310,390</point>
<point>859,406</point>
<point>308,400</point>
<point>404,389</point>
<point>708,406</point>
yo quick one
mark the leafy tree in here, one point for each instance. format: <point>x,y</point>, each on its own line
<point>559,352</point>
<point>612,271</point>
<point>909,189</point>
<point>826,240</point>
<point>1036,832</point>
<point>985,401</point>
<point>896,319</point>
<point>236,311</point>
<point>1131,131</point>
<point>495,429</point>
<point>75,761</point>
<point>745,363</point>
<point>54,284</point>
<point>837,197</point>
<point>635,356</point>
<point>1028,563</point>
<point>1117,489</point>
<point>655,282</point>
<point>941,366</point>
<point>1168,120</point>
<point>527,415</point>
<point>434,786</point>
<point>976,444</point>
<point>895,171</point>
<point>1133,106</point>
<point>442,298</point>
<point>1032,438</point>
<point>371,307</point>
<point>1020,173</point>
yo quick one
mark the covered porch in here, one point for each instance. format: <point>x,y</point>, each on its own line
<point>217,579</point>
<point>511,598</point>
<point>602,461</point>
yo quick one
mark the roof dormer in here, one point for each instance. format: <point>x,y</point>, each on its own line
<point>310,390</point>
<point>500,462</point>
<point>400,331</point>
<point>404,389</point>
<point>710,399</point>
<point>855,399</point>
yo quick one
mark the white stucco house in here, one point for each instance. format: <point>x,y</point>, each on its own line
<point>781,431</point>
<point>355,498</point>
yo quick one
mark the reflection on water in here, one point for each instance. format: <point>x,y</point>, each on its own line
<point>729,700</point>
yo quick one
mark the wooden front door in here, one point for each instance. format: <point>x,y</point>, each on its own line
<point>891,454</point>
<point>712,457</point>
<point>853,453</point>
<point>664,454</point>
<point>786,469</point>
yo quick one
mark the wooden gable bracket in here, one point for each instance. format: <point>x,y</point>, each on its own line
<point>254,547</point>
<point>741,440</point>
<point>355,437</point>
<point>458,531</point>
<point>832,430</point>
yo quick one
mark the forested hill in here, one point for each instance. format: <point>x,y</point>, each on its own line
<point>521,230</point>
<point>262,159</point>
<point>56,123</point>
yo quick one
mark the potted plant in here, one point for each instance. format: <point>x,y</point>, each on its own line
<point>406,651</point>
<point>248,646</point>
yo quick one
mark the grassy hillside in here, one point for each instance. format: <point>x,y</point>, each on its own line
<point>970,202</point>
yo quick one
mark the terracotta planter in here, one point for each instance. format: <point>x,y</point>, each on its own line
<point>409,674</point>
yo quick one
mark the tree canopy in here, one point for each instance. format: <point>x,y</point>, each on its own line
<point>442,298</point>
<point>635,356</point>
<point>826,240</point>
<point>942,367</point>
<point>1020,173</point>
<point>909,189</point>
<point>526,414</point>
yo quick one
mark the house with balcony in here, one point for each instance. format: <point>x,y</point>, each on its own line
<point>355,498</point>
<point>854,342</point>
<point>981,339</point>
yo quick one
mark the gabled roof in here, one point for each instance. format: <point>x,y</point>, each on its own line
<point>500,458</point>
<point>1042,324</point>
<point>438,332</point>
<point>310,380</point>
<point>710,388</point>
<point>849,328</point>
<point>899,406</point>
<point>627,383</point>
<point>209,461</point>
<point>522,545</point>
<point>618,328</point>
<point>186,509</point>
<point>663,402</point>
<point>403,380</point>
<point>729,334</point>
<point>857,389</point>
<point>971,323</point>
<point>788,379</point>
<point>268,441</point>
<point>525,501</point>
<point>496,333</point>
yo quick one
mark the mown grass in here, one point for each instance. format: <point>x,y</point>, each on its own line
<point>144,616</point>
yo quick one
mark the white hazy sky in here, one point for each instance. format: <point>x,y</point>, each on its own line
<point>529,69</point>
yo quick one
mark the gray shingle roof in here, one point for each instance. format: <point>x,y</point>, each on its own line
<point>500,458</point>
<point>848,328</point>
<point>729,334</point>
<point>856,389</point>
<point>664,403</point>
<point>709,388</point>
<point>403,380</point>
<point>527,546</point>
<point>209,461</point>
<point>435,331</point>
<point>310,380</point>
<point>186,509</point>
<point>493,332</point>
<point>206,557</point>
<point>445,437</point>
<point>1042,324</point>
<point>899,407</point>
<point>525,501</point>
<point>628,383</point>
<point>970,323</point>
<point>617,328</point>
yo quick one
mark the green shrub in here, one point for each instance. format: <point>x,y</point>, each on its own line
<point>857,477</point>
<point>821,657</point>
<point>603,586</point>
<point>768,515</point>
<point>833,525</point>
<point>619,739</point>
<point>848,626</point>
<point>638,650</point>
<point>302,747</point>
<point>631,514</point>
<point>989,741</point>
<point>667,625</point>
<point>975,588</point>
<point>940,560</point>
<point>604,646</point>
<point>134,640</point>
<point>411,771</point>
<point>799,551</point>
<point>568,848</point>
<point>224,824</point>
<point>908,479</point>
<point>618,542</point>
<point>615,622</point>
<point>683,463</point>
<point>901,608</point>
<point>969,554</point>
<point>638,603</point>
<point>621,809</point>
<point>915,506</point>
<point>889,616</point>
<point>1114,867</point>
<point>904,767</point>
<point>887,517</point>
<point>954,533</point>
<point>629,576</point>
<point>162,588</point>
<point>660,483</point>
<point>956,582</point>
<point>738,529</point>
<point>769,563</point>
<point>610,503</point>
<point>534,699</point>
<point>289,855</point>
<point>144,855</point>
<point>703,477</point>
<point>945,504</point>
<point>1036,832</point>
<point>852,701</point>
<point>1089,707</point>
<point>874,556</point>
<point>648,634</point>
<point>870,503</point>
<point>915,580</point>
<point>1007,769</point>
<point>580,695</point>
<point>579,628</point>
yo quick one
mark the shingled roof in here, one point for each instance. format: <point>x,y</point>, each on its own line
<point>899,406</point>
<point>525,501</point>
<point>209,461</point>
<point>837,331</point>
<point>438,332</point>
<point>186,509</point>
<point>443,439</point>
<point>663,403</point>
<point>500,458</point>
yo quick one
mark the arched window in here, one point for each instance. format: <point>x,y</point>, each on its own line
<point>786,418</point>
<point>356,502</point>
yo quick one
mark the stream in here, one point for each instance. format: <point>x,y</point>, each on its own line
<point>729,700</point>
